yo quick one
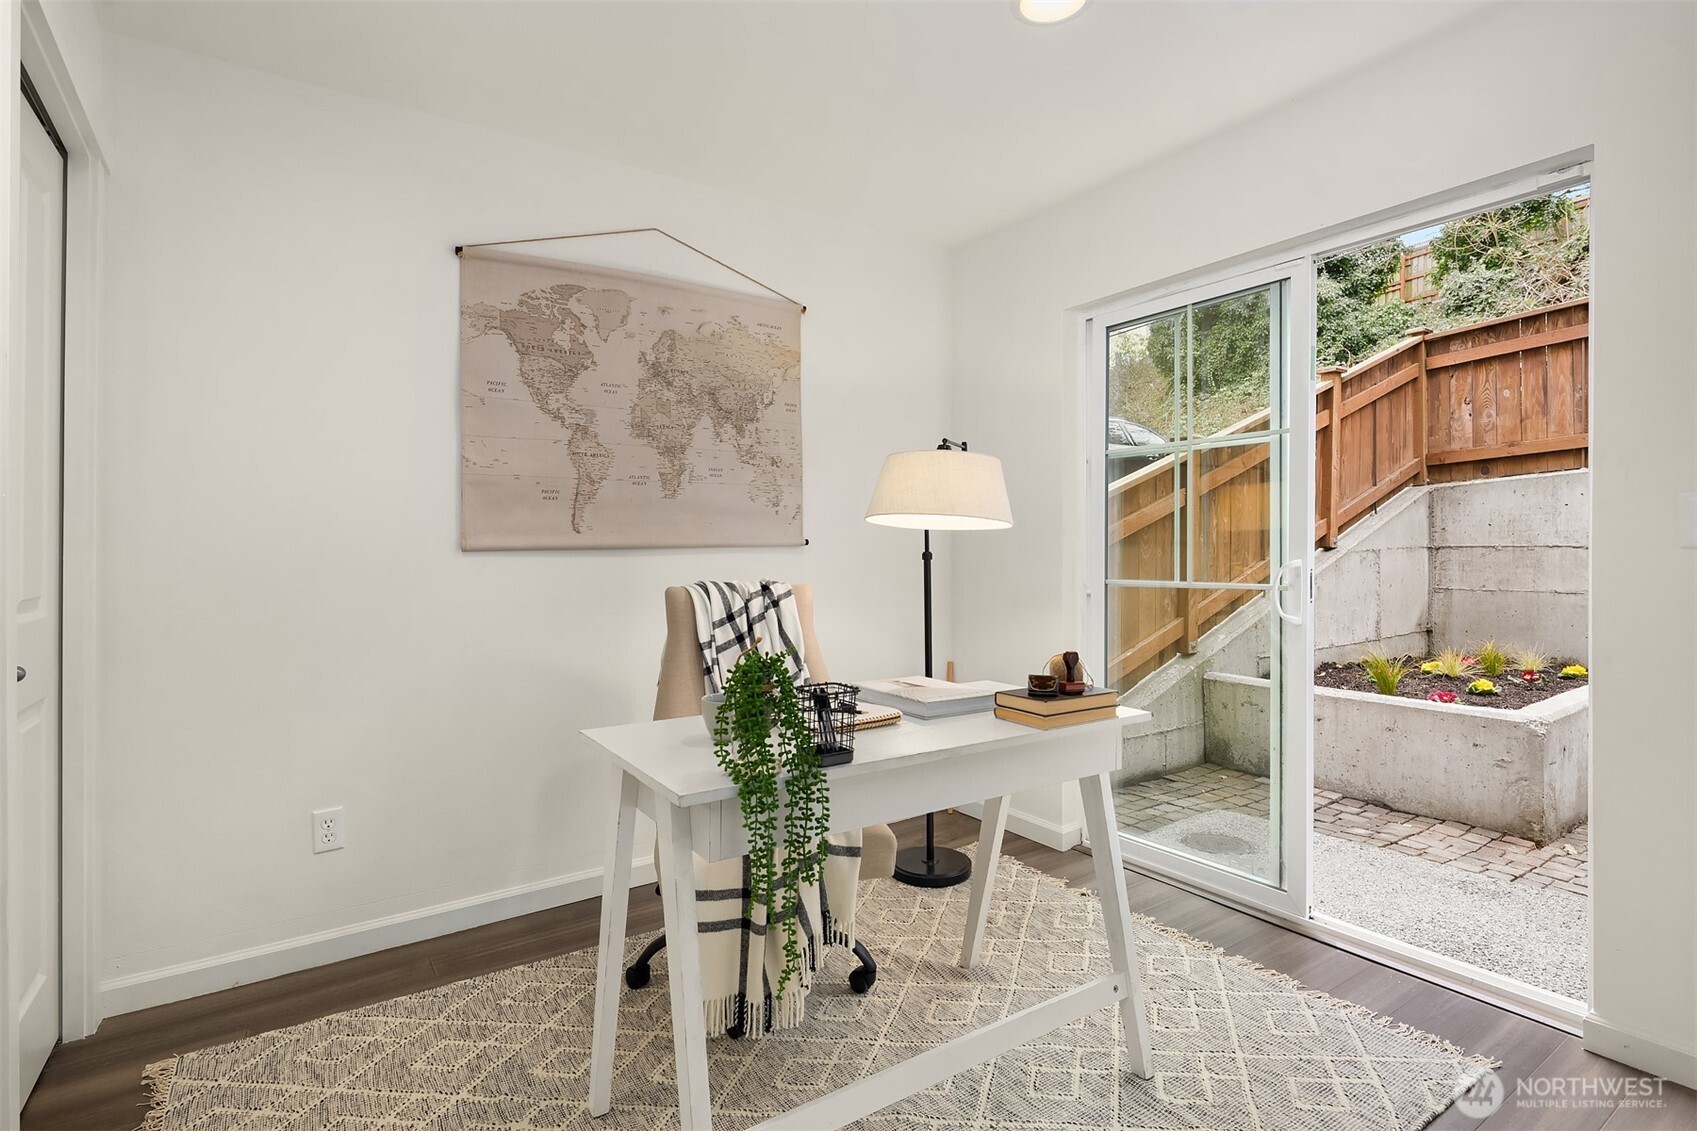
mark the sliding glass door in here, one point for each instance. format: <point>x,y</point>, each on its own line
<point>1204,413</point>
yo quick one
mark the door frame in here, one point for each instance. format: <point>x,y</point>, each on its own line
<point>1293,483</point>
<point>27,43</point>
<point>1550,175</point>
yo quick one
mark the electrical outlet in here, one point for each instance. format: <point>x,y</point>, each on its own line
<point>327,829</point>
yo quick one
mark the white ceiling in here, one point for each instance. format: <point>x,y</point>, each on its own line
<point>936,120</point>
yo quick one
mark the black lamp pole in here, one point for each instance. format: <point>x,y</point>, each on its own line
<point>930,866</point>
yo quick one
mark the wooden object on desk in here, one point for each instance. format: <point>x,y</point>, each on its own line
<point>667,770</point>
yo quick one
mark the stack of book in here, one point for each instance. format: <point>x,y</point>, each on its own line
<point>1020,706</point>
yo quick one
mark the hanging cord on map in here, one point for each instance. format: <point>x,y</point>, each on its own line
<point>460,248</point>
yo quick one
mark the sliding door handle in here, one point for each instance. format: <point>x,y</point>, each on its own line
<point>21,674</point>
<point>1279,591</point>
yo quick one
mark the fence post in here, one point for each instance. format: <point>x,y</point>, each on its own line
<point>1421,445</point>
<point>1187,597</point>
<point>1326,472</point>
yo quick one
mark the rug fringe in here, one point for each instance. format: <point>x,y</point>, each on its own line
<point>158,1078</point>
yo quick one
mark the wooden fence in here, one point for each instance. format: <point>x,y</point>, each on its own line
<point>1506,397</point>
<point>1227,526</point>
<point>1414,277</point>
<point>1414,282</point>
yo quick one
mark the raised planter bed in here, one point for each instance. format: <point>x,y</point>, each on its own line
<point>1513,690</point>
<point>1522,772</point>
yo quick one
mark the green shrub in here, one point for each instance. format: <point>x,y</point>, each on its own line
<point>1528,660</point>
<point>1386,672</point>
<point>1451,663</point>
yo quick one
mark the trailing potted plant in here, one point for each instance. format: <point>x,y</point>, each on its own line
<point>762,741</point>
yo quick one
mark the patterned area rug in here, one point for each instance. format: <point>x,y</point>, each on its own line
<point>1236,1046</point>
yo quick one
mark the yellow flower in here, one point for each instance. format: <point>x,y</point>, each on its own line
<point>1482,687</point>
<point>1574,671</point>
<point>1429,667</point>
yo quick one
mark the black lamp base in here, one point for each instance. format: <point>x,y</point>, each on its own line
<point>944,869</point>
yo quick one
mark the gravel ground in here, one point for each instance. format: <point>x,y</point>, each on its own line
<point>1537,935</point>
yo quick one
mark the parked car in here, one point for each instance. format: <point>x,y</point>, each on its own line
<point>1127,440</point>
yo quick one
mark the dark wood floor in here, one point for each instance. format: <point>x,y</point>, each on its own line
<point>95,1084</point>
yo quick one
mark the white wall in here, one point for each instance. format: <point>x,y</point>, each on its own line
<point>1619,77</point>
<point>287,620</point>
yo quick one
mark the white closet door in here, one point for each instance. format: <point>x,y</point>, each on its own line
<point>32,473</point>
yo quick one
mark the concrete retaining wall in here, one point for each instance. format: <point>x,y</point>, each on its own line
<point>1451,565</point>
<point>1174,696</point>
<point>1521,772</point>
<point>1510,561</point>
<point>1236,724</point>
<point>1372,592</point>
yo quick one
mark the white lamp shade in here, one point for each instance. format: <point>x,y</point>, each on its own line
<point>941,489</point>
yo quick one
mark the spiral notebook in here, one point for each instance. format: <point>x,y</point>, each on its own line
<point>869,715</point>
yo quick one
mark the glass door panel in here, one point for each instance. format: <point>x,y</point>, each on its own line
<point>1205,593</point>
<point>1232,363</point>
<point>1201,785</point>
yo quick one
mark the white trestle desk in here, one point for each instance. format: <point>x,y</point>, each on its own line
<point>667,770</point>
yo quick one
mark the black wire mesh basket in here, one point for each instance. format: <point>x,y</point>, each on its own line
<point>830,711</point>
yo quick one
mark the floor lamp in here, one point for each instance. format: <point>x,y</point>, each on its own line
<point>946,488</point>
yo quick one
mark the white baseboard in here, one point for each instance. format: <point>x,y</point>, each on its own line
<point>1642,1053</point>
<point>1059,837</point>
<point>220,972</point>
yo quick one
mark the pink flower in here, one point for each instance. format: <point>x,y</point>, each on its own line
<point>1442,697</point>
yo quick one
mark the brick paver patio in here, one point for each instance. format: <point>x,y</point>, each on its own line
<point>1563,864</point>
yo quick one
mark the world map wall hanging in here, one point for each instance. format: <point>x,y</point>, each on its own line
<point>602,408</point>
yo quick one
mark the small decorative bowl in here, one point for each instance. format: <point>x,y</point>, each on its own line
<point>1043,686</point>
<point>710,705</point>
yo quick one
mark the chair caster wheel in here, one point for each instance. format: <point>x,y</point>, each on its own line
<point>861,980</point>
<point>637,976</point>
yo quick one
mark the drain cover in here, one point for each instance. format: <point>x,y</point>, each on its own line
<point>1217,844</point>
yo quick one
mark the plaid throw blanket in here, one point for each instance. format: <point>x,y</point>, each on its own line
<point>731,615</point>
<point>740,957</point>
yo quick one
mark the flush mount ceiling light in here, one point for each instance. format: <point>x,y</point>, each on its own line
<point>1048,11</point>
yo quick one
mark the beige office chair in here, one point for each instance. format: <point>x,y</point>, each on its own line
<point>679,694</point>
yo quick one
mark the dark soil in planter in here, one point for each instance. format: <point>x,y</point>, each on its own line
<point>1512,693</point>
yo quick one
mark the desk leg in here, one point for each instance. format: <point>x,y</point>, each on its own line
<point>683,970</point>
<point>990,829</point>
<point>609,970</point>
<point>1116,911</point>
